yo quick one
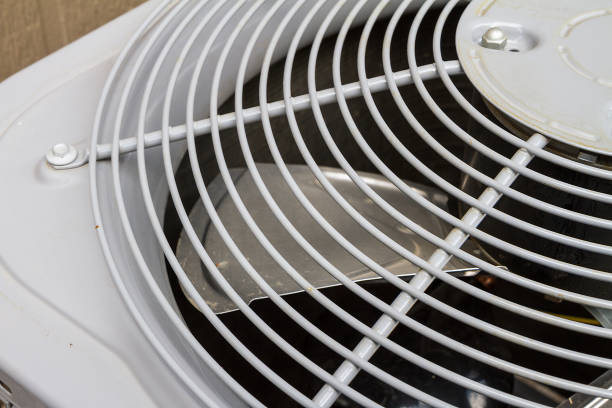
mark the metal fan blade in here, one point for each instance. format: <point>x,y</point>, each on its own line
<point>287,246</point>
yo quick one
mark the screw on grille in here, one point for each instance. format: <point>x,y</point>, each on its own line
<point>494,38</point>
<point>61,154</point>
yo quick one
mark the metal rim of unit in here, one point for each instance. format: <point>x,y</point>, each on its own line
<point>534,146</point>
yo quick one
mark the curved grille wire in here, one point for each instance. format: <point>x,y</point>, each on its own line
<point>412,292</point>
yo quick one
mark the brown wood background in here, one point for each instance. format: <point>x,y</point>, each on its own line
<point>31,29</point>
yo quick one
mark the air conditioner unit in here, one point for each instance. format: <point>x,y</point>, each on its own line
<point>312,203</point>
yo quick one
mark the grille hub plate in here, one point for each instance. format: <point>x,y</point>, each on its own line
<point>553,74</point>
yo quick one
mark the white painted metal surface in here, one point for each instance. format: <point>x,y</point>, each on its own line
<point>67,339</point>
<point>88,300</point>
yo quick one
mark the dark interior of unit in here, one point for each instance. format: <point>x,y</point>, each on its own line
<point>404,370</point>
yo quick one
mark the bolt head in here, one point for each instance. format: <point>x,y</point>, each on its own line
<point>494,38</point>
<point>61,154</point>
<point>60,149</point>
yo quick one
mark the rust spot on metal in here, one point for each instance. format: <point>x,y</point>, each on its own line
<point>486,280</point>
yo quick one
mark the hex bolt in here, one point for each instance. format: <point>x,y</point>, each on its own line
<point>494,38</point>
<point>60,149</point>
<point>61,154</point>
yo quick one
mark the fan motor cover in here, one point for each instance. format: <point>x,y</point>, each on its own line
<point>554,71</point>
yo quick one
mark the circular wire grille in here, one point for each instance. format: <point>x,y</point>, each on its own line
<point>228,22</point>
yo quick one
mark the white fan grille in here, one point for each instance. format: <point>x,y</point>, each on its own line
<point>185,22</point>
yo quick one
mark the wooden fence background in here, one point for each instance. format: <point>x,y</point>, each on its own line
<point>31,29</point>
